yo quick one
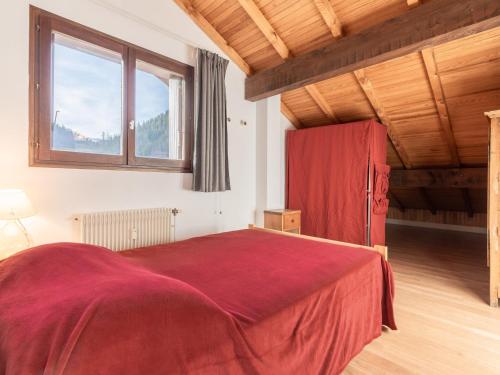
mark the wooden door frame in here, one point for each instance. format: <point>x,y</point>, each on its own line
<point>494,206</point>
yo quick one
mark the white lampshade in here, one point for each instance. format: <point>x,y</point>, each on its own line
<point>14,204</point>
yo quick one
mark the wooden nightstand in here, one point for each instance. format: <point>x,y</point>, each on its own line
<point>283,220</point>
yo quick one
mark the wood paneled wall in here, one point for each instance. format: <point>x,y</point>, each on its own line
<point>441,217</point>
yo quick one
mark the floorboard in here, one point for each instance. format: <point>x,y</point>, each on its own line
<point>445,323</point>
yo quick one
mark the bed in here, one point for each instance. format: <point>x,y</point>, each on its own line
<point>243,302</point>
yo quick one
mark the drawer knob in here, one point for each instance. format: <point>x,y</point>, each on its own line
<point>293,220</point>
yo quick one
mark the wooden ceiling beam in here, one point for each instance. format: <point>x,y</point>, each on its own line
<point>290,116</point>
<point>433,23</point>
<point>201,21</point>
<point>440,102</point>
<point>378,107</point>
<point>265,27</point>
<point>467,202</point>
<point>322,103</point>
<point>393,198</point>
<point>330,17</point>
<point>282,49</point>
<point>413,3</point>
<point>455,178</point>
<point>427,200</point>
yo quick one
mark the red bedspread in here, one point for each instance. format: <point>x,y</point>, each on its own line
<point>243,302</point>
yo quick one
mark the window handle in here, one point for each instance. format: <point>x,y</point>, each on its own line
<point>131,125</point>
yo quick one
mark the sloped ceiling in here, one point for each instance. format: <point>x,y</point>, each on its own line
<point>432,101</point>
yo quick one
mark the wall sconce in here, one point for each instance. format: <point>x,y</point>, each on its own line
<point>14,206</point>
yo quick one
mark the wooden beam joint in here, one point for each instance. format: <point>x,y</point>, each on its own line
<point>433,23</point>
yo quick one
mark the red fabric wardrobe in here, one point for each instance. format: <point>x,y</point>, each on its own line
<point>329,170</point>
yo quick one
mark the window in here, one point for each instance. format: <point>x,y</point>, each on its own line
<point>99,102</point>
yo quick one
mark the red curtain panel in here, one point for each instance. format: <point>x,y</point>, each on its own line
<point>380,182</point>
<point>327,177</point>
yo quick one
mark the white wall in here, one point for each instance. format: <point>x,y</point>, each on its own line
<point>271,130</point>
<point>58,194</point>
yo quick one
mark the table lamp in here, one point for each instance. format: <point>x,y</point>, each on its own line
<point>14,206</point>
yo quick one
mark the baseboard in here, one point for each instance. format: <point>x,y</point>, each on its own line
<point>424,224</point>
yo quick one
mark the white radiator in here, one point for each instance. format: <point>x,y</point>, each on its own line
<point>122,230</point>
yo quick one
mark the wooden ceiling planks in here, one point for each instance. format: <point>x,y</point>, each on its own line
<point>346,96</point>
<point>470,76</point>
<point>188,7</point>
<point>468,70</point>
<point>305,108</point>
<point>273,37</point>
<point>403,90</point>
<point>359,15</point>
<point>440,102</point>
<point>331,19</point>
<point>290,116</point>
<point>432,24</point>
<point>302,33</point>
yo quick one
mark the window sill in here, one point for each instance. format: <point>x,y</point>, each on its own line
<point>137,168</point>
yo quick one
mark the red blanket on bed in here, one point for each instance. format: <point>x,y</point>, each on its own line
<point>244,302</point>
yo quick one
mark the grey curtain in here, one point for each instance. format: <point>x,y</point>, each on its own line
<point>210,160</point>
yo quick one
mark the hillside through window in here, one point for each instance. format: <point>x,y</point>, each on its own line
<point>101,102</point>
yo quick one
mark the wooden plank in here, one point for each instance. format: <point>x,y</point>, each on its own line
<point>382,250</point>
<point>433,23</point>
<point>393,198</point>
<point>427,199</point>
<point>367,88</point>
<point>330,17</point>
<point>265,27</point>
<point>440,101</point>
<point>322,103</point>
<point>458,178</point>
<point>467,202</point>
<point>201,21</point>
<point>413,3</point>
<point>290,116</point>
<point>494,207</point>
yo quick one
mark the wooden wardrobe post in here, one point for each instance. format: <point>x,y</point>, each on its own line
<point>494,207</point>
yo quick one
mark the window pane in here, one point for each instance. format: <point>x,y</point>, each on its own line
<point>159,112</point>
<point>87,98</point>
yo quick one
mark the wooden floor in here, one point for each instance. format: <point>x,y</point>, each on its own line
<point>445,324</point>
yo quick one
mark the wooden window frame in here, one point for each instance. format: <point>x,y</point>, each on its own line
<point>42,26</point>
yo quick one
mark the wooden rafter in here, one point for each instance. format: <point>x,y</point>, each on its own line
<point>393,198</point>
<point>265,27</point>
<point>330,17</point>
<point>325,7</point>
<point>454,178</point>
<point>278,44</point>
<point>433,23</point>
<point>413,3</point>
<point>290,116</point>
<point>282,49</point>
<point>467,202</point>
<point>440,101</point>
<point>378,107</point>
<point>427,200</point>
<point>321,102</point>
<point>201,21</point>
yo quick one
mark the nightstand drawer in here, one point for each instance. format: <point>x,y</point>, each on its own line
<point>291,221</point>
<point>283,220</point>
